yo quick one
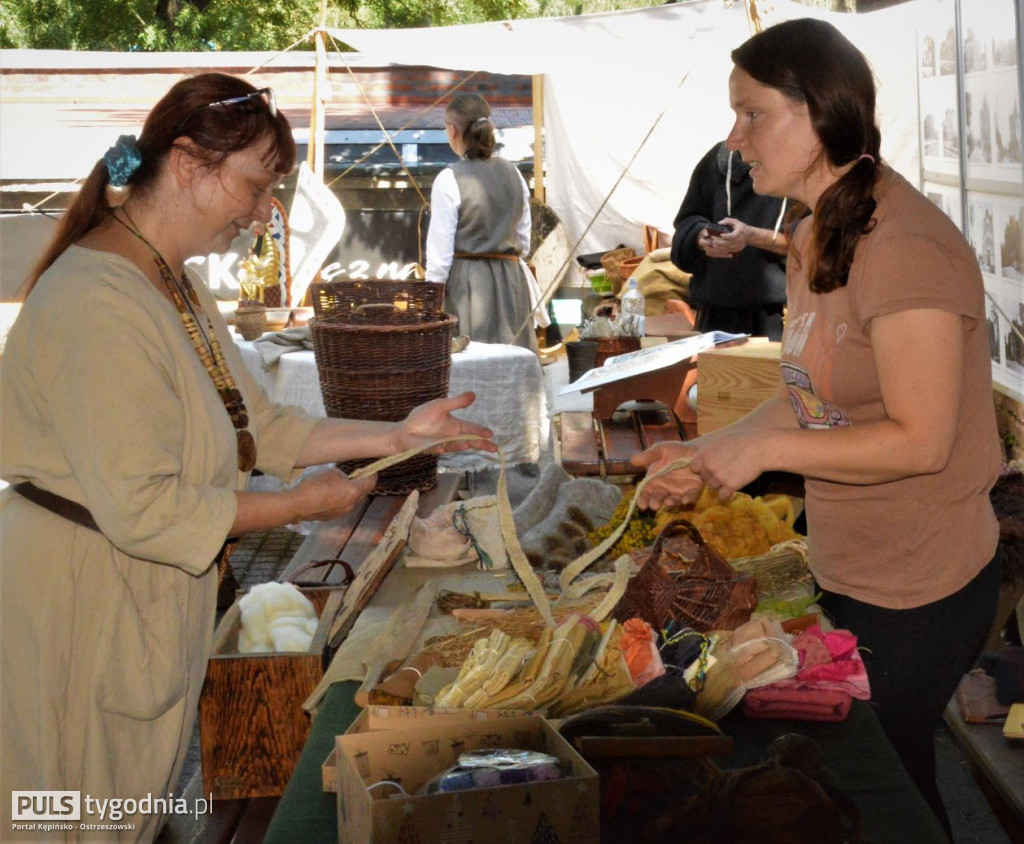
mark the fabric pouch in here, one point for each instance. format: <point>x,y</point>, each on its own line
<point>976,697</point>
<point>458,533</point>
<point>762,653</point>
<point>401,683</point>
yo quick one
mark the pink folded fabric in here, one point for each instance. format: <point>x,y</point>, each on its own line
<point>842,668</point>
<point>801,704</point>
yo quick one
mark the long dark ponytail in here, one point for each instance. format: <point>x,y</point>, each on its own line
<point>471,115</point>
<point>810,61</point>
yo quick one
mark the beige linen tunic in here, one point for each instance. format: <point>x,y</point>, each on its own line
<point>105,637</point>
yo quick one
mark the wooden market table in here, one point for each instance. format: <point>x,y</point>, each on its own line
<point>860,759</point>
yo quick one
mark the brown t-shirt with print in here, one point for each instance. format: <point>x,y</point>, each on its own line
<point>913,541</point>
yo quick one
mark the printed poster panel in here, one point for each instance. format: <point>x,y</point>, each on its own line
<point>939,115</point>
<point>990,57</point>
<point>996,232</point>
<point>991,92</point>
<point>947,199</point>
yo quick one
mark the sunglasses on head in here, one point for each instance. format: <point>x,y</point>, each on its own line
<point>266,93</point>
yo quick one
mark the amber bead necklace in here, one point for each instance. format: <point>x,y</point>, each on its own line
<point>206,345</point>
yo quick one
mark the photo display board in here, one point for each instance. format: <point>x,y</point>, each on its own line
<point>969,95</point>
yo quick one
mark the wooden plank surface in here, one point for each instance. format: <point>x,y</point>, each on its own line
<point>325,542</point>
<point>620,440</point>
<point>447,489</point>
<point>658,424</point>
<point>605,447</point>
<point>368,533</point>
<point>578,443</point>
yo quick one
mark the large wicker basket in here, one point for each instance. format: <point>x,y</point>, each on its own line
<point>333,298</point>
<point>377,362</point>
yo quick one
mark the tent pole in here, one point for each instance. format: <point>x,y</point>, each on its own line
<point>538,137</point>
<point>754,18</point>
<point>315,149</point>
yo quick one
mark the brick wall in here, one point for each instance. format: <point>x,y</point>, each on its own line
<point>397,86</point>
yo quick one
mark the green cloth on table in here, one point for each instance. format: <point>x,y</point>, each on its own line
<point>306,812</point>
<point>862,764</point>
<point>859,758</point>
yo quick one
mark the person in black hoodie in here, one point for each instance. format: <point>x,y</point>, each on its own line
<point>739,276</point>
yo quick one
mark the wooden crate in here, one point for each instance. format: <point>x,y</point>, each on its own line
<point>731,382</point>
<point>252,726</point>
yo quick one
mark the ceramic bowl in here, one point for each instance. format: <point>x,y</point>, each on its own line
<point>277,318</point>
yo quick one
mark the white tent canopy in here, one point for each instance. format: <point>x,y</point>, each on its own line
<point>609,78</point>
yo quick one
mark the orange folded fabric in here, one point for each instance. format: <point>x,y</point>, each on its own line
<point>641,651</point>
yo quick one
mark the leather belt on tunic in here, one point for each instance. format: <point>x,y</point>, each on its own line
<point>64,507</point>
<point>488,256</point>
<point>75,512</point>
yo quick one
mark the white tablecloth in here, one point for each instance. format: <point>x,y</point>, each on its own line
<point>507,380</point>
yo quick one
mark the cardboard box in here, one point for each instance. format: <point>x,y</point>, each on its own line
<point>402,717</point>
<point>556,810</point>
<point>252,726</point>
<point>732,381</point>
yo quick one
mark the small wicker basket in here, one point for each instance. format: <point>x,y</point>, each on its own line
<point>378,362</point>
<point>708,595</point>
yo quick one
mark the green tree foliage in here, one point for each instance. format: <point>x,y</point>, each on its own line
<point>152,25</point>
<point>188,25</point>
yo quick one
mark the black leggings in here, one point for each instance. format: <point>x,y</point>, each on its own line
<point>915,659</point>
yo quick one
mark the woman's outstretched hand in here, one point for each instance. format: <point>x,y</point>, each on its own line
<point>433,420</point>
<point>677,488</point>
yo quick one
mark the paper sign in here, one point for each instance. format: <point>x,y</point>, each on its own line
<point>317,221</point>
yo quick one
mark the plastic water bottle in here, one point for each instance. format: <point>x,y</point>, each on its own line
<point>634,309</point>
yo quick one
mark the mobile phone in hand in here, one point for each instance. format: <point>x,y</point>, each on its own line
<point>718,228</point>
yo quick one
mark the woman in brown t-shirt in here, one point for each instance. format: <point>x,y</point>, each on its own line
<point>885,401</point>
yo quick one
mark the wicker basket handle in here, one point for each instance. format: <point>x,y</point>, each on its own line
<point>314,564</point>
<point>709,555</point>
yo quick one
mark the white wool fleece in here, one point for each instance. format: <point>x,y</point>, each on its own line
<point>276,617</point>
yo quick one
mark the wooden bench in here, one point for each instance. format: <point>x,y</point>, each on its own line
<point>997,765</point>
<point>348,539</point>
<point>589,446</point>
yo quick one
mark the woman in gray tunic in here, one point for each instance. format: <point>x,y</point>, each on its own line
<point>479,228</point>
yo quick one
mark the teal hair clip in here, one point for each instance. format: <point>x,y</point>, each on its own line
<point>122,160</point>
